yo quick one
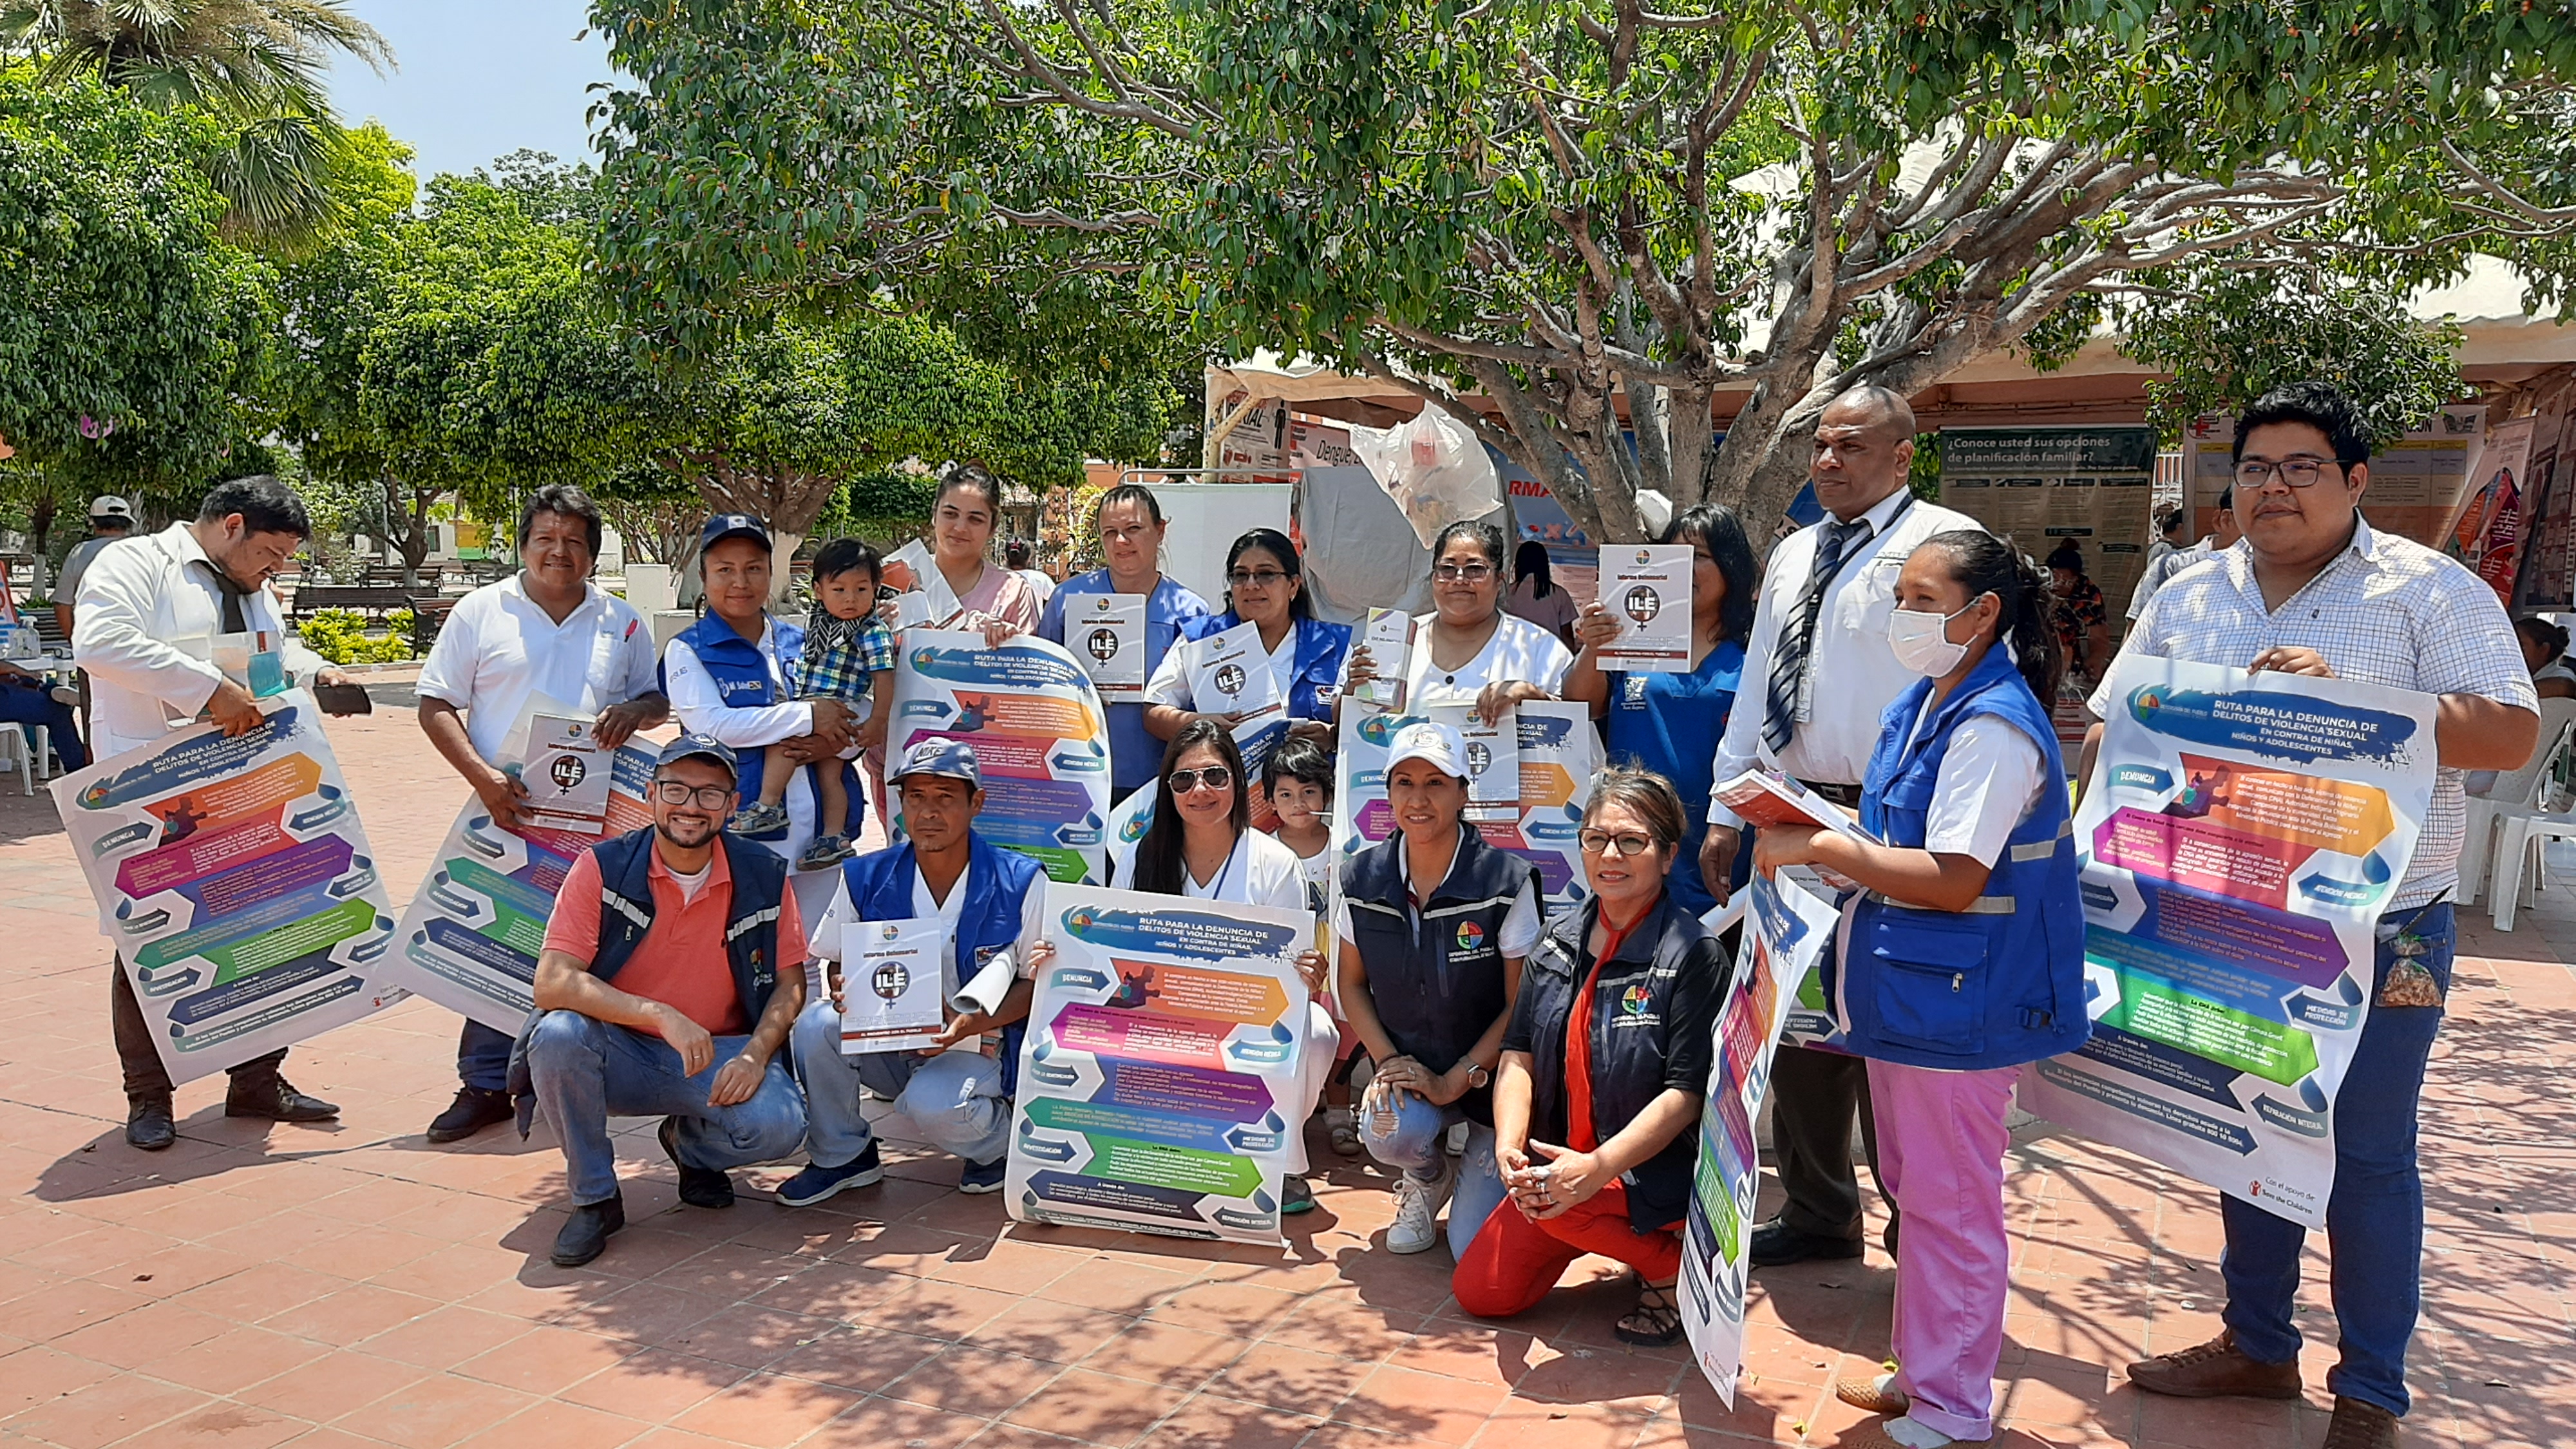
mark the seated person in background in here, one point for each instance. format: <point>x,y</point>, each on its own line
<point>849,656</point>
<point>2544,653</point>
<point>672,972</point>
<point>960,1099</point>
<point>24,700</point>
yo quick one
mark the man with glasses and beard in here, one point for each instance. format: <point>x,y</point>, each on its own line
<point>672,973</point>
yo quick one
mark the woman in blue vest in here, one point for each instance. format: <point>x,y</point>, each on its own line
<point>1962,955</point>
<point>1265,587</point>
<point>1432,928</point>
<point>1670,723</point>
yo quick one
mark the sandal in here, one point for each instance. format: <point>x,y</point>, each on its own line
<point>1656,1321</point>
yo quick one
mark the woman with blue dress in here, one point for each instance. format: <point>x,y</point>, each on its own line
<point>1670,723</point>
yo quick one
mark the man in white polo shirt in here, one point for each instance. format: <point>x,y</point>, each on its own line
<point>546,633</point>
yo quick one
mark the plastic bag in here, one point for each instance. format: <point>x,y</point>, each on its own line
<point>1434,469</point>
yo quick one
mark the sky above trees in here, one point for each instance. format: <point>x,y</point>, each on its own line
<point>477,79</point>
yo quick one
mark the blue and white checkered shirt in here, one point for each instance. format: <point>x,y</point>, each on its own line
<point>2387,611</point>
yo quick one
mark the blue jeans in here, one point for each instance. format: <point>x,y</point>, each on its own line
<point>483,1057</point>
<point>26,704</point>
<point>2375,1217</point>
<point>955,1098</point>
<point>588,1070</point>
<point>1415,1146</point>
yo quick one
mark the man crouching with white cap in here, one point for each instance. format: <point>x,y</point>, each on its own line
<point>959,1099</point>
<point>1432,928</point>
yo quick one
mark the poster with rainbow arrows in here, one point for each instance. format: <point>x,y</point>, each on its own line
<point>1560,752</point>
<point>237,885</point>
<point>1159,1076</point>
<point>470,939</point>
<point>1040,738</point>
<point>2241,837</point>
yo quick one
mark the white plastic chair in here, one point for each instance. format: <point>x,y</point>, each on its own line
<point>2514,792</point>
<point>2519,829</point>
<point>30,760</point>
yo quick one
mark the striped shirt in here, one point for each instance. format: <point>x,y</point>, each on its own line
<point>2386,611</point>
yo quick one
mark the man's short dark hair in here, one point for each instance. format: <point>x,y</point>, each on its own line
<point>564,501</point>
<point>2320,405</point>
<point>263,500</point>
<point>2227,499</point>
<point>842,555</point>
<point>2169,518</point>
<point>1016,554</point>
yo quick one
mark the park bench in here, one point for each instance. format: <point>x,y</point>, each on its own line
<point>372,600</point>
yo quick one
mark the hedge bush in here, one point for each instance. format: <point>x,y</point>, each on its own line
<point>340,635</point>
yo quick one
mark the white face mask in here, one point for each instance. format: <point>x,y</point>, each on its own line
<point>1922,641</point>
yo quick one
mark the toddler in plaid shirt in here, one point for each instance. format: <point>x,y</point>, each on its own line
<point>849,656</point>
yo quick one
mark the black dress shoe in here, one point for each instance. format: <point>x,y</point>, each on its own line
<point>275,1098</point>
<point>1775,1243</point>
<point>147,1124</point>
<point>585,1233</point>
<point>699,1186</point>
<point>473,1110</point>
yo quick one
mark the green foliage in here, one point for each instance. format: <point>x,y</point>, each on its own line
<point>120,303</point>
<point>340,635</point>
<point>2229,337</point>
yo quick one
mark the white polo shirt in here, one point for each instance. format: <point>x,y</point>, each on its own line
<point>500,649</point>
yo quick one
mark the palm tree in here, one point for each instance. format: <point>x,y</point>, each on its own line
<point>256,66</point>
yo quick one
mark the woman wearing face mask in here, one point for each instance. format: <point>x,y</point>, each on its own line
<point>1962,955</point>
<point>1467,651</point>
<point>1265,587</point>
<point>1201,846</point>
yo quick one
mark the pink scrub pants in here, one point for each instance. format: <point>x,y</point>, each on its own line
<point>1941,1141</point>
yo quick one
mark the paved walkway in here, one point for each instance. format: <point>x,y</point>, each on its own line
<point>349,1284</point>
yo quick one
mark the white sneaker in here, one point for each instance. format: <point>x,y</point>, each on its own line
<point>1416,1228</point>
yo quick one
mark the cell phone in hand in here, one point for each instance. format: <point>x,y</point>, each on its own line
<point>343,699</point>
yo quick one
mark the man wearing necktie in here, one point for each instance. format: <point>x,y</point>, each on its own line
<point>1826,673</point>
<point>144,626</point>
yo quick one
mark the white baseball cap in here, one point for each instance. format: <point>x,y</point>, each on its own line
<point>108,505</point>
<point>1438,745</point>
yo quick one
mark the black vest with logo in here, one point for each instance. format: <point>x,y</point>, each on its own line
<point>1436,976</point>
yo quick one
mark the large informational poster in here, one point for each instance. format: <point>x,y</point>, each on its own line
<point>2240,839</point>
<point>2048,487</point>
<point>1159,1075</point>
<point>2545,580</point>
<point>1559,754</point>
<point>2489,534</point>
<point>237,885</point>
<point>470,939</point>
<point>1789,930</point>
<point>2416,483</point>
<point>1040,739</point>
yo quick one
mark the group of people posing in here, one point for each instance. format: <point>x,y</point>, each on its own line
<point>1895,657</point>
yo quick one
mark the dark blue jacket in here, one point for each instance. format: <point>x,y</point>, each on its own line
<point>1654,1015</point>
<point>1998,984</point>
<point>742,677</point>
<point>997,884</point>
<point>1436,978</point>
<point>1320,647</point>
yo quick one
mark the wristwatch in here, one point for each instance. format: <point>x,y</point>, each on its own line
<point>1477,1076</point>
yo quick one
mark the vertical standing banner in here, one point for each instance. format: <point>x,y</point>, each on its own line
<point>1158,1078</point>
<point>2240,838</point>
<point>1040,738</point>
<point>1787,932</point>
<point>471,937</point>
<point>237,884</point>
<point>2489,535</point>
<point>1559,754</point>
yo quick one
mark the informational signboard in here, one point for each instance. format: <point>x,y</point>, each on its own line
<point>2546,580</point>
<point>1040,739</point>
<point>237,884</point>
<point>2240,840</point>
<point>2417,483</point>
<point>2044,488</point>
<point>1559,754</point>
<point>1159,1075</point>
<point>2488,536</point>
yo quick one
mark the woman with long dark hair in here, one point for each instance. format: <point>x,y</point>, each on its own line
<point>1671,723</point>
<point>1961,955</point>
<point>1536,595</point>
<point>1265,587</point>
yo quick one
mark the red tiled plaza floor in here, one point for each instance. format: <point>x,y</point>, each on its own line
<point>351,1285</point>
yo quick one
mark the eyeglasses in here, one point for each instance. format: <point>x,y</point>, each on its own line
<point>1265,579</point>
<point>2297,472</point>
<point>681,792</point>
<point>1449,573</point>
<point>1602,842</point>
<point>1215,777</point>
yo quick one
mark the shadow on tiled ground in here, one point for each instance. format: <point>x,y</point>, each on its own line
<point>352,1285</point>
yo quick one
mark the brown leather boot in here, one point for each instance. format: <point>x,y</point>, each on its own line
<point>2216,1369</point>
<point>2359,1425</point>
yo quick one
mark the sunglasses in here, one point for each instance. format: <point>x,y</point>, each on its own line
<point>1215,777</point>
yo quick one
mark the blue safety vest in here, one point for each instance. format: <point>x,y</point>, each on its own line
<point>2002,982</point>
<point>741,674</point>
<point>997,884</point>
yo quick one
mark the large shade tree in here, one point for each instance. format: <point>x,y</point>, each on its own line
<point>1571,222</point>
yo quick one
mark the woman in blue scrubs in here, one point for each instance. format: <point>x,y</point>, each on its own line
<point>1670,723</point>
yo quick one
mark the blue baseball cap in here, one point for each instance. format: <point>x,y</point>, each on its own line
<point>732,525</point>
<point>954,759</point>
<point>700,747</point>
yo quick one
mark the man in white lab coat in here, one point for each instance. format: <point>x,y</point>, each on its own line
<point>144,627</point>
